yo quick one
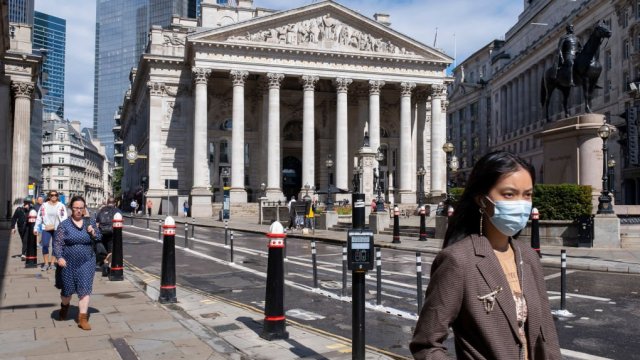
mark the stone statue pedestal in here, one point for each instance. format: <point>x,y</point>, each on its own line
<point>379,221</point>
<point>366,157</point>
<point>606,231</point>
<point>326,220</point>
<point>573,152</point>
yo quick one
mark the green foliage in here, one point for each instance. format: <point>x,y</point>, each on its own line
<point>562,201</point>
<point>343,210</point>
<point>116,182</point>
<point>456,193</point>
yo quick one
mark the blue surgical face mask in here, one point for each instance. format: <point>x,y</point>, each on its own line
<point>510,216</point>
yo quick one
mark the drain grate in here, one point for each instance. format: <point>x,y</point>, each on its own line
<point>225,328</point>
<point>124,350</point>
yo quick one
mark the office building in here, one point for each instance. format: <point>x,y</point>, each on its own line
<point>49,33</point>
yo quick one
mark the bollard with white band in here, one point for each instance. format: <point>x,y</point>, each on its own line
<point>168,271</point>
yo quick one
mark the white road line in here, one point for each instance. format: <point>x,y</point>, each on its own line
<point>553,276</point>
<point>580,296</point>
<point>581,356</point>
<point>384,309</point>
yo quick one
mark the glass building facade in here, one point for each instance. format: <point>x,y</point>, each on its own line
<point>49,33</point>
<point>121,37</point>
<point>21,11</point>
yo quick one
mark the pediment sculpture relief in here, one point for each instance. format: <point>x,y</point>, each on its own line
<point>323,32</point>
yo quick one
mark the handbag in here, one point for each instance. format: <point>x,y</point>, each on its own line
<point>98,247</point>
<point>49,227</point>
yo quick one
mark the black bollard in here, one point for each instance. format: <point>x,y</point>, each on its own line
<point>231,247</point>
<point>31,260</point>
<point>117,268</point>
<point>396,225</point>
<point>186,234</point>
<point>357,311</point>
<point>563,279</point>
<point>378,276</point>
<point>226,232</point>
<point>423,224</point>
<point>535,231</point>
<point>168,272</point>
<point>357,211</point>
<point>450,211</point>
<point>274,318</point>
<point>419,280</point>
<point>159,229</point>
<point>193,228</point>
<point>344,271</point>
<point>315,264</point>
<point>147,222</point>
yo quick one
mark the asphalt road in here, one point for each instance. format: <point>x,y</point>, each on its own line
<point>606,307</point>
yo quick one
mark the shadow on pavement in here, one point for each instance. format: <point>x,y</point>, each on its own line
<point>5,238</point>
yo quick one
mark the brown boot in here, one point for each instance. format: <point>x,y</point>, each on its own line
<point>64,310</point>
<point>83,321</point>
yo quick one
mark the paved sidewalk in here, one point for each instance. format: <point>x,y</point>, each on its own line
<point>596,259</point>
<point>129,324</point>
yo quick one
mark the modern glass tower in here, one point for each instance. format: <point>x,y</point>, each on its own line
<point>21,11</point>
<point>49,33</point>
<point>121,37</point>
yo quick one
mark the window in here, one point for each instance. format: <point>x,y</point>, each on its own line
<point>60,171</point>
<point>61,147</point>
<point>60,185</point>
<point>625,49</point>
<point>637,9</point>
<point>60,160</point>
<point>625,79</point>
<point>224,151</point>
<point>625,19</point>
<point>607,59</point>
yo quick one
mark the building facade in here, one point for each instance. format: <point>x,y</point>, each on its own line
<point>503,82</point>
<point>122,28</point>
<point>21,11</point>
<point>49,33</point>
<point>247,96</point>
<point>71,163</point>
<point>19,79</point>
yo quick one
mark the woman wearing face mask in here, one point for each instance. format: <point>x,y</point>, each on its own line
<point>485,285</point>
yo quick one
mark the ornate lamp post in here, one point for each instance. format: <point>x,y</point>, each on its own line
<point>357,171</point>
<point>421,173</point>
<point>306,189</point>
<point>611,164</point>
<point>604,201</point>
<point>379,201</point>
<point>448,149</point>
<point>329,164</point>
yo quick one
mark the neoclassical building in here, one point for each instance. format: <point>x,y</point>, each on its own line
<point>248,96</point>
<point>19,79</point>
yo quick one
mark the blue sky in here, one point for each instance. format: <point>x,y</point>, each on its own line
<point>474,23</point>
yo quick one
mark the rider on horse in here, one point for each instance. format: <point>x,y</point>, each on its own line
<point>568,46</point>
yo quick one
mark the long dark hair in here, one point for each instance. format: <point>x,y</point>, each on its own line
<point>484,176</point>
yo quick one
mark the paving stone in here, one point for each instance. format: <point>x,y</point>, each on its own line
<point>89,343</point>
<point>97,354</point>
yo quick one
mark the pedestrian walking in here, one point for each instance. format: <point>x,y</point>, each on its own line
<point>74,243</point>
<point>485,285</point>
<point>104,220</point>
<point>134,207</point>
<point>149,206</point>
<point>19,224</point>
<point>292,212</point>
<point>373,205</point>
<point>50,215</point>
<point>185,208</point>
<point>38,204</point>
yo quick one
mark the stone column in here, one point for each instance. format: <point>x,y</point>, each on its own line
<point>405,155</point>
<point>22,92</point>
<point>154,156</point>
<point>238,194</point>
<point>200,192</point>
<point>374,114</point>
<point>421,101</point>
<point>342,132</point>
<point>308,127</point>
<point>438,138</point>
<point>263,89</point>
<point>274,191</point>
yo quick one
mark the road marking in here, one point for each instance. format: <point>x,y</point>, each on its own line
<point>570,295</point>
<point>304,315</point>
<point>553,276</point>
<point>581,356</point>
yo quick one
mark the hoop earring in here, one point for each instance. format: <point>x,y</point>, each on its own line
<point>481,210</point>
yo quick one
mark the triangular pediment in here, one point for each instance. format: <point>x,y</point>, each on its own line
<point>326,27</point>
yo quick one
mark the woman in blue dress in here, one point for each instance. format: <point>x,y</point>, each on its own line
<point>73,245</point>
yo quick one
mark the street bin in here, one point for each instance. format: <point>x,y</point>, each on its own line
<point>585,231</point>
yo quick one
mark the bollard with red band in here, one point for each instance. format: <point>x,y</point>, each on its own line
<point>31,260</point>
<point>168,274</point>
<point>535,231</point>
<point>396,225</point>
<point>450,211</point>
<point>423,224</point>
<point>117,268</point>
<point>274,319</point>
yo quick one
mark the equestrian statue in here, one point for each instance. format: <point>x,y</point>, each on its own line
<point>576,65</point>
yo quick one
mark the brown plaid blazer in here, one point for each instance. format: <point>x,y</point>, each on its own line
<point>468,269</point>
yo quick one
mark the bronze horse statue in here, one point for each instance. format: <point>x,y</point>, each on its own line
<point>586,71</point>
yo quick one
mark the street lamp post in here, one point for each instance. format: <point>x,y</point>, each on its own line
<point>357,171</point>
<point>379,201</point>
<point>306,189</point>
<point>448,148</point>
<point>421,173</point>
<point>329,164</point>
<point>611,164</point>
<point>604,201</point>
<point>263,188</point>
